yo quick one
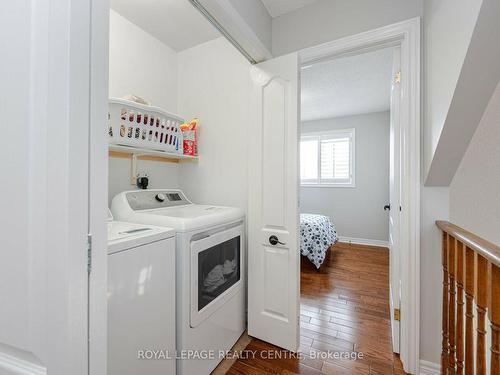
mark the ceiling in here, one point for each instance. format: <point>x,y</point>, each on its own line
<point>347,86</point>
<point>277,8</point>
<point>174,22</point>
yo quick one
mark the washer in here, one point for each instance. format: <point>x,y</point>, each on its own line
<point>210,274</point>
<point>141,299</point>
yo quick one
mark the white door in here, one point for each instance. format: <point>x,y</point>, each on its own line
<point>394,198</point>
<point>44,102</point>
<point>273,221</point>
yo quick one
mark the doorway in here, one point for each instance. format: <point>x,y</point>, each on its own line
<point>350,178</point>
<point>349,157</point>
<point>276,100</point>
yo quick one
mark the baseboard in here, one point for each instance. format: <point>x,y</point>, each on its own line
<point>364,241</point>
<point>429,368</point>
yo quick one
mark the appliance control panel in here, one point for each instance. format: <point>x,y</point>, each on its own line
<point>151,199</point>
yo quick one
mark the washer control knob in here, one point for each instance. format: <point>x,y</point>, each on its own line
<point>160,197</point>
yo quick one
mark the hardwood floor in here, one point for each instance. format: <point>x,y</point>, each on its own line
<point>344,309</point>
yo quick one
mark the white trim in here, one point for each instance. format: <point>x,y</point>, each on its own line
<point>429,368</point>
<point>98,187</point>
<point>324,185</point>
<point>346,132</point>
<point>405,34</point>
<point>14,365</point>
<point>363,241</point>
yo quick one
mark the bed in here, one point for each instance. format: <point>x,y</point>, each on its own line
<point>317,234</point>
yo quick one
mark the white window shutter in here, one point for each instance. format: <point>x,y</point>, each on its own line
<point>335,159</point>
<point>327,158</point>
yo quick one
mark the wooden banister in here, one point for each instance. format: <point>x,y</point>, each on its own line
<point>484,248</point>
<point>471,266</point>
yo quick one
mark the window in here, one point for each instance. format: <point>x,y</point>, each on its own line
<point>327,158</point>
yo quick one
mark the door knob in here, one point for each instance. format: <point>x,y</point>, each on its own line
<point>387,207</point>
<point>273,240</point>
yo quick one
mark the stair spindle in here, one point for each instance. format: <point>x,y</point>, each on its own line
<point>469,310</point>
<point>482,301</point>
<point>451,314</point>
<point>460,253</point>
<point>494,315</point>
<point>445,341</point>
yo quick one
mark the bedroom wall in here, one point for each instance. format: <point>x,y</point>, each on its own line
<point>140,64</point>
<point>356,212</point>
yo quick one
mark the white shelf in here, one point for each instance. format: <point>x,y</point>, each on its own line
<point>145,152</point>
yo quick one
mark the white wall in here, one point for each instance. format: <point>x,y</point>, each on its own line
<point>327,20</point>
<point>479,76</point>
<point>161,175</point>
<point>434,206</point>
<point>448,29</point>
<point>474,204</point>
<point>214,84</point>
<point>356,212</point>
<point>474,191</point>
<point>140,64</point>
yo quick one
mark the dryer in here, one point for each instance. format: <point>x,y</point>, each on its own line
<point>210,271</point>
<point>141,299</point>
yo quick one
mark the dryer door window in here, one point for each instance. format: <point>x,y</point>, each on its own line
<point>218,270</point>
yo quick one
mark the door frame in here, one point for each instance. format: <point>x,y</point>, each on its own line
<point>48,331</point>
<point>394,199</point>
<point>98,187</point>
<point>405,34</point>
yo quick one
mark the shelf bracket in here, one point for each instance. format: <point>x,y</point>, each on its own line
<point>133,168</point>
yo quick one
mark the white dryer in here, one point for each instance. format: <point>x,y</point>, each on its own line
<point>141,299</point>
<point>210,271</point>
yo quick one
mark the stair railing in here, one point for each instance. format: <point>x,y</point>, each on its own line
<point>471,276</point>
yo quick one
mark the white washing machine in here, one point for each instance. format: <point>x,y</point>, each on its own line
<point>210,271</point>
<point>141,299</point>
